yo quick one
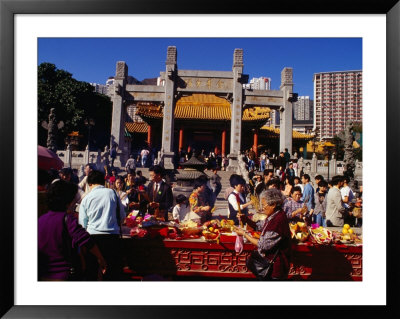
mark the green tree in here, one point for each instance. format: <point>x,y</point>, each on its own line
<point>74,101</point>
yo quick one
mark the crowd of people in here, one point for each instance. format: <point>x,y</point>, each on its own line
<point>254,162</point>
<point>326,203</point>
<point>82,219</point>
<point>77,218</point>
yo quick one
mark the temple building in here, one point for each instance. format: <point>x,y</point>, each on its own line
<point>202,122</point>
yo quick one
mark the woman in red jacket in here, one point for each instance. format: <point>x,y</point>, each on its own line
<point>275,233</point>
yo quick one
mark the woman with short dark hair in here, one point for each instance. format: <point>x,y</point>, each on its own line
<point>275,234</point>
<point>237,199</point>
<point>197,202</point>
<point>60,236</point>
<point>119,186</point>
<point>294,207</point>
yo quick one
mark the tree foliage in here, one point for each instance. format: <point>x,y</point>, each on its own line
<point>74,101</point>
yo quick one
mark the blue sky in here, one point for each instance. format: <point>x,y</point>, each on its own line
<point>94,59</point>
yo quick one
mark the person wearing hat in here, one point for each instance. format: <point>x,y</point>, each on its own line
<point>237,199</point>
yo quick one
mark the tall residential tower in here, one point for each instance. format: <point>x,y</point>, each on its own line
<point>303,108</point>
<point>337,98</point>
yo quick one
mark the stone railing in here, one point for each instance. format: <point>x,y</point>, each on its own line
<point>78,159</point>
<point>315,167</point>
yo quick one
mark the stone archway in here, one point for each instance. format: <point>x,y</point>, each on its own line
<point>174,84</point>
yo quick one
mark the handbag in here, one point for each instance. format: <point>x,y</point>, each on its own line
<point>73,257</point>
<point>261,267</point>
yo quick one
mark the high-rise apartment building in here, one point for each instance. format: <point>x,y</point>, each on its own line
<point>337,98</point>
<point>100,88</point>
<point>103,88</point>
<point>303,109</point>
<point>261,83</point>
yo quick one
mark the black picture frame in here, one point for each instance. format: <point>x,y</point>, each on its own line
<point>8,10</point>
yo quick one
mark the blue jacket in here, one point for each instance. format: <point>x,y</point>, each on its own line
<point>308,196</point>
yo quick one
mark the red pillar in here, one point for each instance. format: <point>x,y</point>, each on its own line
<point>223,143</point>
<point>255,142</point>
<point>149,135</point>
<point>180,139</point>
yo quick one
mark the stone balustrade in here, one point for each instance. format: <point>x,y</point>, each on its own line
<point>315,167</point>
<point>76,159</point>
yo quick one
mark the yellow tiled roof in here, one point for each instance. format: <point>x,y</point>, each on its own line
<point>136,127</point>
<point>204,106</point>
<point>295,134</point>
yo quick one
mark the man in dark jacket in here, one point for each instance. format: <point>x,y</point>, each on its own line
<point>290,172</point>
<point>280,161</point>
<point>286,155</point>
<point>159,193</point>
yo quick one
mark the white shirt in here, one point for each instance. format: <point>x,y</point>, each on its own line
<point>144,153</point>
<point>123,197</point>
<point>84,185</point>
<point>157,186</point>
<point>346,191</point>
<point>180,211</point>
<point>233,201</point>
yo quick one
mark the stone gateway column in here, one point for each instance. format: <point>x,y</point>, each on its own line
<point>286,111</point>
<point>167,148</point>
<point>118,112</point>
<point>236,109</point>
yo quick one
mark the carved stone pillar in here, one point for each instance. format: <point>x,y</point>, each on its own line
<point>86,155</point>
<point>68,157</point>
<point>333,165</point>
<point>167,147</point>
<point>118,112</point>
<point>286,112</point>
<point>314,164</point>
<point>236,110</point>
